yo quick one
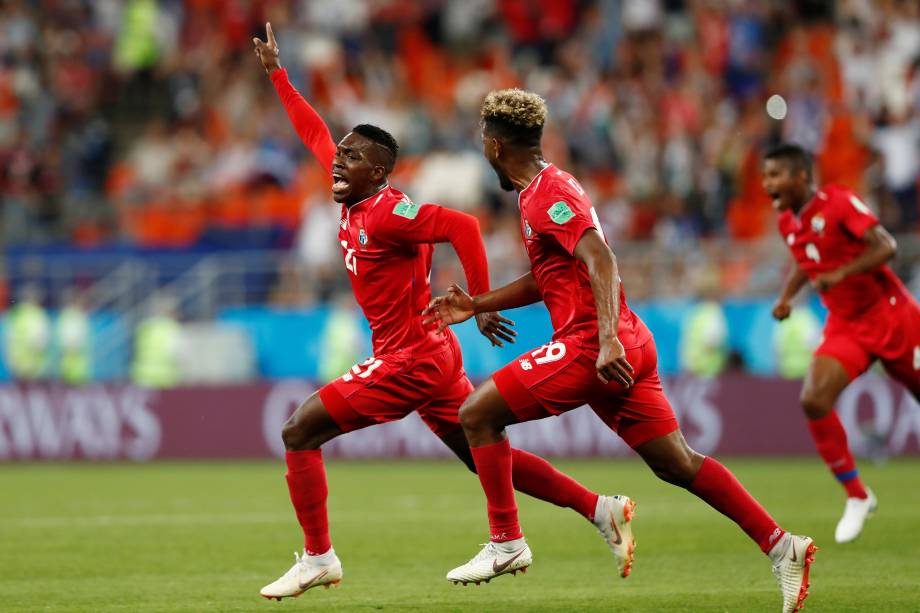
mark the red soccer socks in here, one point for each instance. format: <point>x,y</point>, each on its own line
<point>493,465</point>
<point>306,478</point>
<point>536,477</point>
<point>719,488</point>
<point>831,442</point>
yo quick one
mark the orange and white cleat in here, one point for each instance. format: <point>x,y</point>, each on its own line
<point>613,519</point>
<point>494,559</point>
<point>308,572</point>
<point>792,558</point>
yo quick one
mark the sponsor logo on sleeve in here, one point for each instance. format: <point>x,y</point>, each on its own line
<point>406,208</point>
<point>560,212</point>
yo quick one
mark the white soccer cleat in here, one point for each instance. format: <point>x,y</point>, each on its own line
<point>493,560</point>
<point>613,519</point>
<point>792,557</point>
<point>305,574</point>
<point>857,511</point>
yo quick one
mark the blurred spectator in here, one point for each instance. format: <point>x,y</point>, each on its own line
<point>74,340</point>
<point>158,346</point>
<point>28,336</point>
<point>149,121</point>
<point>794,340</point>
<point>704,337</point>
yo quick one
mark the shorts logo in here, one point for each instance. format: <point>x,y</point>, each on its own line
<point>560,212</point>
<point>362,237</point>
<point>525,364</point>
<point>406,208</point>
<point>917,357</point>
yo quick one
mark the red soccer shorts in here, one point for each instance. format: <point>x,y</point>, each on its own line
<point>561,376</point>
<point>890,333</point>
<point>388,387</point>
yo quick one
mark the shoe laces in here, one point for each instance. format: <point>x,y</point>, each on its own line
<point>487,552</point>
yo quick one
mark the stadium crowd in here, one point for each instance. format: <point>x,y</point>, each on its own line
<point>151,122</point>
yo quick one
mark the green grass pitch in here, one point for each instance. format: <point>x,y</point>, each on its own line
<point>207,536</point>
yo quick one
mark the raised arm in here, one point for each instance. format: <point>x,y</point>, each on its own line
<point>795,281</point>
<point>605,285</point>
<point>309,125</point>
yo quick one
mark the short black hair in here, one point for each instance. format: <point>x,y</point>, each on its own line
<point>382,138</point>
<point>797,157</point>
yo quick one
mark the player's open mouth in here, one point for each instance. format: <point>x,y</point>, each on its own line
<point>777,201</point>
<point>339,183</point>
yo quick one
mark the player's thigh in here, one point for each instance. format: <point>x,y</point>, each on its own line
<point>902,362</point>
<point>828,375</point>
<point>309,426</point>
<point>376,391</point>
<point>549,380</point>
<point>447,387</point>
<point>485,410</point>
<point>642,412</point>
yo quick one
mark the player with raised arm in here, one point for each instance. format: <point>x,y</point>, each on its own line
<point>838,245</point>
<point>601,354</point>
<point>387,246</point>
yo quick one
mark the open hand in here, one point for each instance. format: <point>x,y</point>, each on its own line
<point>452,308</point>
<point>612,364</point>
<point>495,327</point>
<point>268,51</point>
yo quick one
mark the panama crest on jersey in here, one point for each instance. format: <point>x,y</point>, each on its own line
<point>362,237</point>
<point>817,224</point>
<point>528,231</point>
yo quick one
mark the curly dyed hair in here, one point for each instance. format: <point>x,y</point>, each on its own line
<point>514,115</point>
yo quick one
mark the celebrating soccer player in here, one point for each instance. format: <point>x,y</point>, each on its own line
<point>601,354</point>
<point>839,246</point>
<point>387,246</point>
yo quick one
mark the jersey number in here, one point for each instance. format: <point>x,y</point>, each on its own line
<point>551,352</point>
<point>372,364</point>
<point>351,262</point>
<point>811,252</point>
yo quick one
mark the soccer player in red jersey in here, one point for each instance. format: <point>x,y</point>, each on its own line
<point>601,354</point>
<point>387,246</point>
<point>838,245</point>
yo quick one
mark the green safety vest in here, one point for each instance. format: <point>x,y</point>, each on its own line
<point>155,360</point>
<point>73,337</point>
<point>698,353</point>
<point>27,341</point>
<point>795,341</point>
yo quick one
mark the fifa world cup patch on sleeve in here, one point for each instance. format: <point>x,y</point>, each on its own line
<point>406,208</point>
<point>560,212</point>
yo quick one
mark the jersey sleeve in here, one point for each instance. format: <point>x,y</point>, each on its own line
<point>854,216</point>
<point>565,216</point>
<point>310,127</point>
<point>407,223</point>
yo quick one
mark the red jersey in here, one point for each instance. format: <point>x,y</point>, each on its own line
<point>555,213</point>
<point>386,244</point>
<point>826,234</point>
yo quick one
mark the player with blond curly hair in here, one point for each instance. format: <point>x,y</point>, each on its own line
<point>601,354</point>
